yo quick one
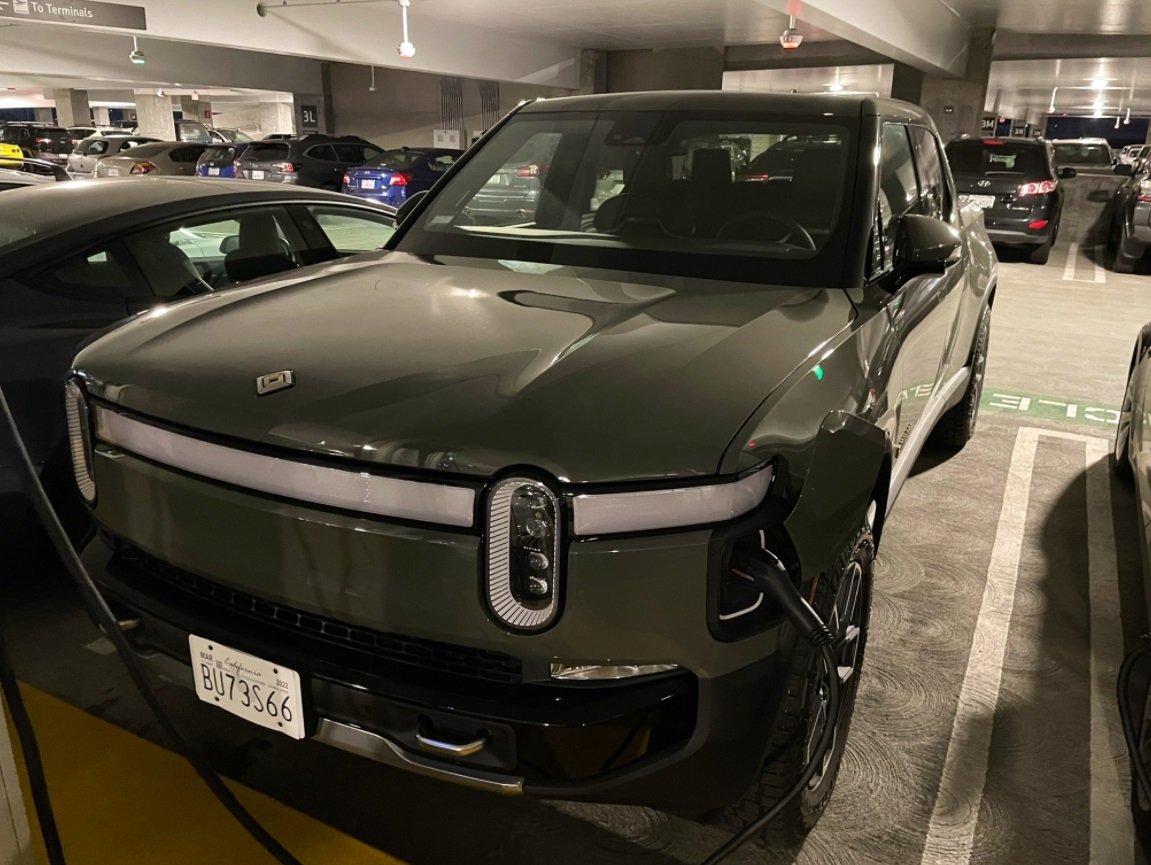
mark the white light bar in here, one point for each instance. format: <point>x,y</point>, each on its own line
<point>644,510</point>
<point>338,488</point>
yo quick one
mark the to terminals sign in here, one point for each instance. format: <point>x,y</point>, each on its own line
<point>78,12</point>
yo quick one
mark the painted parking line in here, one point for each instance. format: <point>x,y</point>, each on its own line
<point>951,832</point>
<point>1069,267</point>
<point>1102,417</point>
<point>1099,273</point>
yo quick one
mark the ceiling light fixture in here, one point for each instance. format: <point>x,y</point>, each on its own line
<point>1099,83</point>
<point>161,92</point>
<point>835,88</point>
<point>372,86</point>
<point>790,40</point>
<point>407,49</point>
<point>1051,107</point>
<point>1127,119</point>
<point>136,55</point>
<point>195,96</point>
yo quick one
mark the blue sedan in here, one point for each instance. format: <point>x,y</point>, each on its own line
<point>395,174</point>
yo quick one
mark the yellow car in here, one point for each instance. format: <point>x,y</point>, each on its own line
<point>10,150</point>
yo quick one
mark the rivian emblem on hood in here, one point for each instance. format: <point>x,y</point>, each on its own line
<point>275,381</point>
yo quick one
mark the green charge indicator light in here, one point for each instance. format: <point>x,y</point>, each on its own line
<point>818,372</point>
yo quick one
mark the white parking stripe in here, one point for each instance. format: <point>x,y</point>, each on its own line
<point>1072,257</point>
<point>1111,837</point>
<point>1100,272</point>
<point>951,833</point>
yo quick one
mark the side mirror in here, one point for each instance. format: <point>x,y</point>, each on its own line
<point>409,205</point>
<point>1125,170</point>
<point>1067,173</point>
<point>924,245</point>
<point>229,244</point>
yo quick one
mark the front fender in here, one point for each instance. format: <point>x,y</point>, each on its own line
<point>850,464</point>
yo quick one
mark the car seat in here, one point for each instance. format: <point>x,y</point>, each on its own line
<point>261,251</point>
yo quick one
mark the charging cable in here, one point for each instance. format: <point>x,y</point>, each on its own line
<point>771,577</point>
<point>12,445</point>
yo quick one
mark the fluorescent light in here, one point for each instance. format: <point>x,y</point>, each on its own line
<point>835,88</point>
<point>1099,83</point>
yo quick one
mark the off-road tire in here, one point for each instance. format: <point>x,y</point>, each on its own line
<point>786,756</point>
<point>957,426</point>
<point>1122,446</point>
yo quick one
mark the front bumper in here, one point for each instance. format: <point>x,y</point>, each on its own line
<point>386,624</point>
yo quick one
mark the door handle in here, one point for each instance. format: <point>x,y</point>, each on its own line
<point>451,749</point>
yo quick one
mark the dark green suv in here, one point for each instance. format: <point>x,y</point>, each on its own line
<point>471,506</point>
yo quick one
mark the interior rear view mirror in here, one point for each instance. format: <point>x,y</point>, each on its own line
<point>924,245</point>
<point>229,244</point>
<point>408,206</point>
<point>1067,173</point>
<point>1124,169</point>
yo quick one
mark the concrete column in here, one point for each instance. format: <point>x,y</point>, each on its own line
<point>276,117</point>
<point>42,115</point>
<point>100,117</point>
<point>592,73</point>
<point>664,69</point>
<point>956,104</point>
<point>154,115</point>
<point>192,109</point>
<point>72,107</point>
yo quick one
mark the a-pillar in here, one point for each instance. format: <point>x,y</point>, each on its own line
<point>72,107</point>
<point>276,118</point>
<point>956,104</point>
<point>154,115</point>
<point>664,69</point>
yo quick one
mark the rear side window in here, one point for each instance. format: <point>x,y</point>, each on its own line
<point>14,134</point>
<point>441,163</point>
<point>95,277</point>
<point>321,151</point>
<point>355,154</point>
<point>981,160</point>
<point>186,154</point>
<point>266,153</point>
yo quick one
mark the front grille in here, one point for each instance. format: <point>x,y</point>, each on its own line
<point>413,653</point>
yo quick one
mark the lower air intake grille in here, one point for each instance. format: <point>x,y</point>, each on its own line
<point>462,661</point>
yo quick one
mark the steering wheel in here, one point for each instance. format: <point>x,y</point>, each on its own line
<point>794,229</point>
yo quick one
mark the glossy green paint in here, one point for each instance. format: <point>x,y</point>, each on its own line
<point>472,368</point>
<point>625,600</point>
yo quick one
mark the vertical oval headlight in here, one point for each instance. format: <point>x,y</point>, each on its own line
<point>524,568</point>
<point>80,439</point>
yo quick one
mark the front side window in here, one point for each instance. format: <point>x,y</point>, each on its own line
<point>935,199</point>
<point>898,184</point>
<point>186,154</point>
<point>350,230</point>
<point>441,162</point>
<point>660,192</point>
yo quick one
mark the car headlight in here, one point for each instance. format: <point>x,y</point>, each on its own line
<point>80,439</point>
<point>607,672</point>
<point>644,510</point>
<point>523,553</point>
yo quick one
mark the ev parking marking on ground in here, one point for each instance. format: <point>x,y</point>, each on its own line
<point>951,832</point>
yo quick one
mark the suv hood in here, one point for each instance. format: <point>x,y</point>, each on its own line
<point>471,367</point>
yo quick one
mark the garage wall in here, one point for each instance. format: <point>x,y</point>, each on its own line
<point>405,107</point>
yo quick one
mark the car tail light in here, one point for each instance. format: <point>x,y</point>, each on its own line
<point>285,167</point>
<point>1042,187</point>
<point>1039,223</point>
<point>347,180</point>
<point>400,180</point>
<point>532,170</point>
<point>993,142</point>
<point>754,178</point>
<point>43,140</point>
<point>143,168</point>
<point>1145,190</point>
<point>523,553</point>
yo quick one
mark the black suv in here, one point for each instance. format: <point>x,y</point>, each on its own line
<point>313,160</point>
<point>50,143</point>
<point>1016,182</point>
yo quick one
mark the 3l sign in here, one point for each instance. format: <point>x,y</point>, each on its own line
<point>80,12</point>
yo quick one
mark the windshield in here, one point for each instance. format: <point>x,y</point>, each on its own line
<point>233,135</point>
<point>656,192</point>
<point>977,158</point>
<point>1083,154</point>
<point>219,154</point>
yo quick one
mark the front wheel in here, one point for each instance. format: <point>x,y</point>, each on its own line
<point>957,426</point>
<point>1122,448</point>
<point>843,600</point>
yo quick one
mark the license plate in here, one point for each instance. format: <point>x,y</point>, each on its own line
<point>256,690</point>
<point>113,172</point>
<point>367,184</point>
<point>213,172</point>
<point>983,201</point>
<point>257,175</point>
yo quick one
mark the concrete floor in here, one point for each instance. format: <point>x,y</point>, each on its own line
<point>984,732</point>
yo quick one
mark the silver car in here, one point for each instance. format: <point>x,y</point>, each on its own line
<point>165,158</point>
<point>82,161</point>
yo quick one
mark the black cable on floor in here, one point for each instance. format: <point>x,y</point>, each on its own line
<point>1131,720</point>
<point>13,446</point>
<point>31,753</point>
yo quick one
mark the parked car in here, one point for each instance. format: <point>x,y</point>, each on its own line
<point>10,154</point>
<point>1129,233</point>
<point>229,136</point>
<point>31,172</point>
<point>314,160</point>
<point>393,175</point>
<point>49,143</point>
<point>82,160</point>
<point>1089,155</point>
<point>395,480</point>
<point>76,258</point>
<point>79,133</point>
<point>1015,182</point>
<point>278,136</point>
<point>219,160</point>
<point>192,131</point>
<point>513,191</point>
<point>172,158</point>
<point>1134,153</point>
